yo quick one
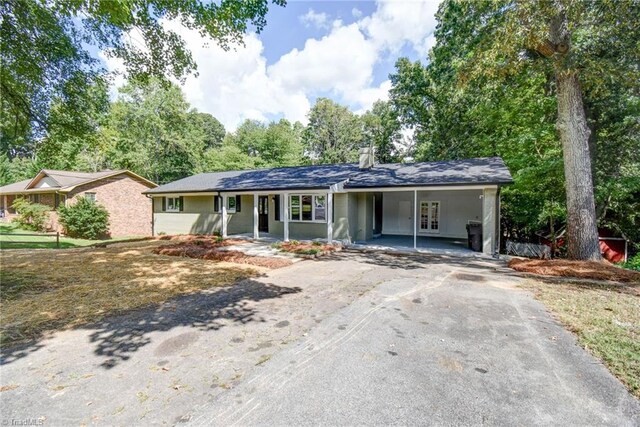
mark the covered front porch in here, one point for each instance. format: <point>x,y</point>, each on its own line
<point>424,244</point>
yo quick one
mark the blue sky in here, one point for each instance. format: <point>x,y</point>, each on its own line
<point>343,50</point>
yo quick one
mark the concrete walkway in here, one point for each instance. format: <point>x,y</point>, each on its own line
<point>350,339</point>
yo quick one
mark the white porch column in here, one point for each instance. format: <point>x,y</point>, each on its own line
<point>286,217</point>
<point>255,216</point>
<point>224,216</point>
<point>5,207</point>
<point>415,219</point>
<point>329,214</point>
<point>489,220</point>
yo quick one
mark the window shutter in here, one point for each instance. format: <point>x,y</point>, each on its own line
<point>216,203</point>
<point>333,213</point>
<point>238,205</point>
<point>181,203</point>
<point>164,204</point>
<point>277,207</point>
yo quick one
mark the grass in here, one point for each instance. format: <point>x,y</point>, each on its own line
<point>606,320</point>
<point>45,241</point>
<point>51,290</point>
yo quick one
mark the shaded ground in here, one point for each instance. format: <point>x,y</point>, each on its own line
<point>158,363</point>
<point>8,239</point>
<point>455,344</point>
<point>578,269</point>
<point>605,318</point>
<point>350,338</point>
<point>51,290</point>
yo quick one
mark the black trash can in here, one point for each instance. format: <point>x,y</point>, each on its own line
<point>474,237</point>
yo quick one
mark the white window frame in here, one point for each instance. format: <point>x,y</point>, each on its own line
<point>430,204</point>
<point>313,208</point>
<point>176,204</point>
<point>95,196</point>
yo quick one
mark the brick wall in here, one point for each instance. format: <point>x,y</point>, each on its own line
<point>47,199</point>
<point>129,209</point>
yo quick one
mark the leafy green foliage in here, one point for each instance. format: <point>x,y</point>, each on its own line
<point>333,135</point>
<point>45,64</point>
<point>256,145</point>
<point>487,92</point>
<point>632,264</point>
<point>85,219</point>
<point>381,129</point>
<point>31,216</point>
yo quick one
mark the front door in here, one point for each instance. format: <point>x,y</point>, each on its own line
<point>263,214</point>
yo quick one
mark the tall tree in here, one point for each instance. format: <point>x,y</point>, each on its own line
<point>382,130</point>
<point>498,67</point>
<point>581,44</point>
<point>154,133</point>
<point>333,134</point>
<point>213,130</point>
<point>276,144</point>
<point>43,54</point>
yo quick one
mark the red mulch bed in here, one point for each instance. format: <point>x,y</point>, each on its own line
<point>578,269</point>
<point>208,248</point>
<point>302,247</point>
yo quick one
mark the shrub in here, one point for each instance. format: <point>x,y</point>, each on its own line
<point>32,216</point>
<point>632,263</point>
<point>85,219</point>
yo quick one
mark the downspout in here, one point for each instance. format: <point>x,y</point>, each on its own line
<point>153,219</point>
<point>497,250</point>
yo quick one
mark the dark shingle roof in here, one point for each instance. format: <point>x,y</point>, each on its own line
<point>491,170</point>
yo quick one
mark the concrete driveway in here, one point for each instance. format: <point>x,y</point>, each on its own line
<point>350,339</point>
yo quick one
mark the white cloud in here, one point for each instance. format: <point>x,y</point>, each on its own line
<point>367,96</point>
<point>315,19</point>
<point>238,84</point>
<point>341,62</point>
<point>356,13</point>
<point>395,23</point>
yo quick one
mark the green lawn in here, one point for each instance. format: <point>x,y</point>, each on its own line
<point>44,241</point>
<point>605,318</point>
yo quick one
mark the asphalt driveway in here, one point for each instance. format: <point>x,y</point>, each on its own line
<point>351,339</point>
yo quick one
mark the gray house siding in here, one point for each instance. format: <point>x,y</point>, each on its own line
<point>198,217</point>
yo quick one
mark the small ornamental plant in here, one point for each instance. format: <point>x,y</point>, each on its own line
<point>85,219</point>
<point>31,216</point>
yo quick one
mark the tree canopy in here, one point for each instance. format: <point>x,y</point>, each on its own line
<point>489,89</point>
<point>45,61</point>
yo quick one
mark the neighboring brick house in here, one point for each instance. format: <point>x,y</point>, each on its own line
<point>119,191</point>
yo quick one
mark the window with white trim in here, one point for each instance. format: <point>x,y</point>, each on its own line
<point>90,197</point>
<point>173,204</point>
<point>308,207</point>
<point>430,216</point>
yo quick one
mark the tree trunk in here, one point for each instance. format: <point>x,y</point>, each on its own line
<point>582,231</point>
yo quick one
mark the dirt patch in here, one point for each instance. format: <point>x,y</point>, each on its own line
<point>209,249</point>
<point>579,269</point>
<point>46,290</point>
<point>305,248</point>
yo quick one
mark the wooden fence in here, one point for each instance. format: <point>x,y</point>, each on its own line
<point>529,250</point>
<point>4,240</point>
